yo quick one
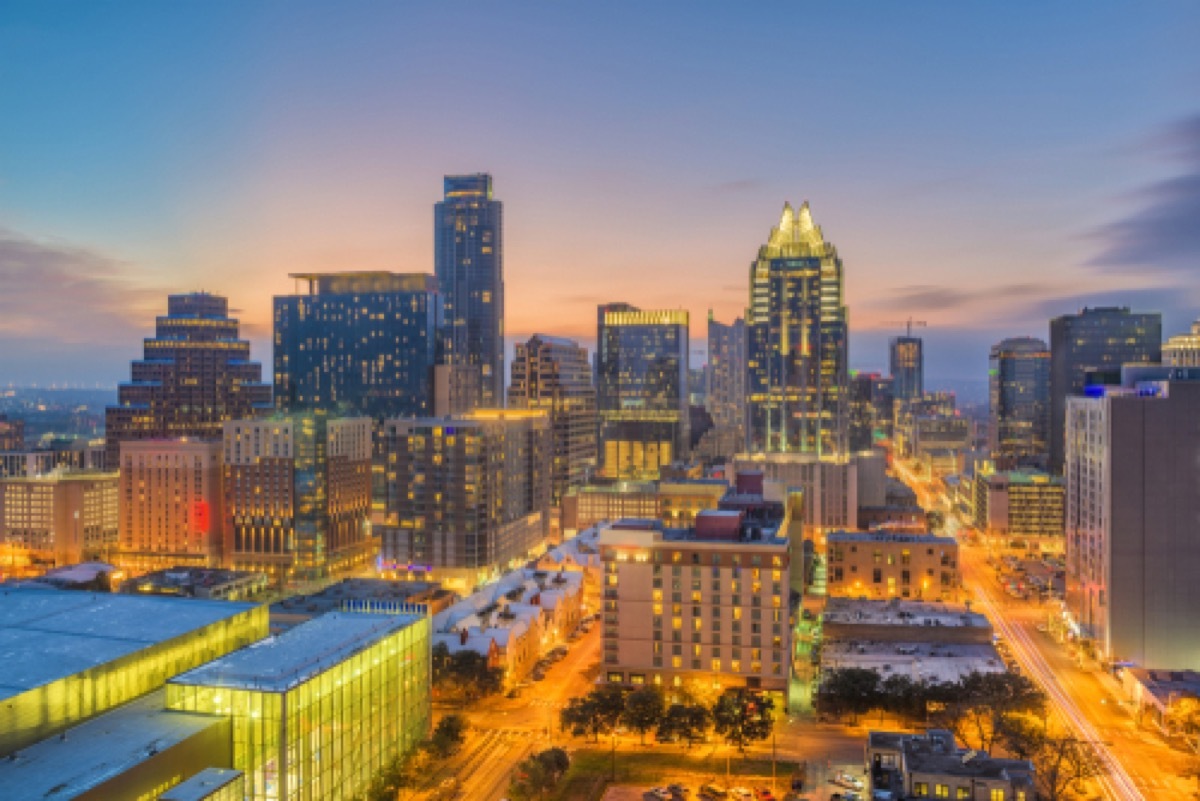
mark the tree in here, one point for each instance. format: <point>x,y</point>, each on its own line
<point>742,717</point>
<point>539,774</point>
<point>685,722</point>
<point>1062,762</point>
<point>596,713</point>
<point>1183,717</point>
<point>448,736</point>
<point>644,709</point>
<point>400,772</point>
<point>853,690</point>
<point>463,674</point>
<point>980,706</point>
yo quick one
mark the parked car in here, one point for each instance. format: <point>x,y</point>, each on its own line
<point>656,794</point>
<point>741,794</point>
<point>713,792</point>
<point>763,794</point>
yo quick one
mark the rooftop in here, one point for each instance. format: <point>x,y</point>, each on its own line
<point>278,664</point>
<point>883,535</point>
<point>202,785</point>
<point>919,661</point>
<point>49,634</point>
<point>354,591</point>
<point>90,754</point>
<point>901,613</point>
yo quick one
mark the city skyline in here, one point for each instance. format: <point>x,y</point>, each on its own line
<point>225,169</point>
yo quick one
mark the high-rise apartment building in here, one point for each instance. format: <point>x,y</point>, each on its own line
<point>725,373</point>
<point>1090,348</point>
<point>906,359</point>
<point>172,506</point>
<point>1133,499</point>
<point>707,604</point>
<point>1183,350</point>
<point>61,518</point>
<point>1019,398</point>
<point>553,375</point>
<point>195,376</point>
<point>298,494</point>
<point>641,390</point>
<point>797,345</point>
<point>469,264</point>
<point>358,343</point>
<point>467,497</point>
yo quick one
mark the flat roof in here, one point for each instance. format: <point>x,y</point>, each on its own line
<point>92,753</point>
<point>884,535</point>
<point>202,785</point>
<point>48,634</point>
<point>901,613</point>
<point>277,664</point>
<point>919,661</point>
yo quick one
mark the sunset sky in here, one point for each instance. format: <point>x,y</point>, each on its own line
<point>979,166</point>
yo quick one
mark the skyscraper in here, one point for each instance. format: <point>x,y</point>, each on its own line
<point>1183,350</point>
<point>797,342</point>
<point>641,389</point>
<point>907,360</point>
<point>726,373</point>
<point>358,343</point>
<point>553,375</point>
<point>871,412</point>
<point>194,377</point>
<point>1019,393</point>
<point>1089,348</point>
<point>469,263</point>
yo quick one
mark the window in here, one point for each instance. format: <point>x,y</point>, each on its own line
<point>996,794</point>
<point>616,678</point>
<point>920,788</point>
<point>963,793</point>
<point>940,790</point>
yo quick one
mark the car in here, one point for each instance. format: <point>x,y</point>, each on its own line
<point>713,792</point>
<point>846,780</point>
<point>678,790</point>
<point>741,794</point>
<point>763,794</point>
<point>656,794</point>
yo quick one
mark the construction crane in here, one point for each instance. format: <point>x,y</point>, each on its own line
<point>908,324</point>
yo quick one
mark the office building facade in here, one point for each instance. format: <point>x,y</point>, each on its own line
<point>358,344</point>
<point>725,373</point>
<point>797,343</point>
<point>1183,350</point>
<point>195,375</point>
<point>298,494</point>
<point>553,375</point>
<point>871,410</point>
<point>1019,401</point>
<point>906,358</point>
<point>641,390</point>
<point>1021,509</point>
<point>886,565</point>
<point>469,265</point>
<point>1133,498</point>
<point>467,497</point>
<point>1090,348</point>
<point>172,506</point>
<point>60,518</point>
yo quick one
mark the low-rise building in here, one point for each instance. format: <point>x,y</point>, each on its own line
<point>829,485</point>
<point>193,582</point>
<point>60,518</point>
<point>1155,694</point>
<point>889,564</point>
<point>1021,509</point>
<point>932,765</point>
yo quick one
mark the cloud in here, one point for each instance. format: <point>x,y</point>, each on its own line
<point>931,297</point>
<point>1163,232</point>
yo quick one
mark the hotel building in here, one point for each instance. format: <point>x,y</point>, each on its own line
<point>885,565</point>
<point>60,518</point>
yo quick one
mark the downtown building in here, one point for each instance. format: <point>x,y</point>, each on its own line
<point>298,495</point>
<point>906,359</point>
<point>797,342</point>
<point>1183,350</point>
<point>171,505</point>
<point>725,385</point>
<point>469,265</point>
<point>1019,402</point>
<point>553,375</point>
<point>871,410</point>
<point>1089,349</point>
<point>889,564</point>
<point>641,390</point>
<point>1021,509</point>
<point>195,375</point>
<point>468,497</point>
<point>1132,502</point>
<point>59,518</point>
<point>12,433</point>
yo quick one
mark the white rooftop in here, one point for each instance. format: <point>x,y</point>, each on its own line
<point>48,634</point>
<point>918,661</point>
<point>280,663</point>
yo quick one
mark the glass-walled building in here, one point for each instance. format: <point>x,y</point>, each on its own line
<point>906,358</point>
<point>641,390</point>
<point>1019,391</point>
<point>319,710</point>
<point>797,346</point>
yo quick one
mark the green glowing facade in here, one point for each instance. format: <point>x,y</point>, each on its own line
<point>797,345</point>
<point>319,710</point>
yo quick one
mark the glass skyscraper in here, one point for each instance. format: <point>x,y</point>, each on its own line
<point>907,361</point>
<point>358,343</point>
<point>469,264</point>
<point>1019,392</point>
<point>1089,348</point>
<point>725,373</point>
<point>641,389</point>
<point>797,342</point>
<point>194,376</point>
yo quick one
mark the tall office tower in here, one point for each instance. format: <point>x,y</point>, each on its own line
<point>553,375</point>
<point>907,361</point>
<point>12,433</point>
<point>1019,397</point>
<point>726,372</point>
<point>469,263</point>
<point>171,506</point>
<point>870,410</point>
<point>1183,350</point>
<point>195,376</point>
<point>641,390</point>
<point>467,497</point>
<point>59,519</point>
<point>298,494</point>
<point>1133,498</point>
<point>1090,348</point>
<point>358,343</point>
<point>797,346</point>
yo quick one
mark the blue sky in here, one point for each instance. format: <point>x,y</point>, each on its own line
<point>982,167</point>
